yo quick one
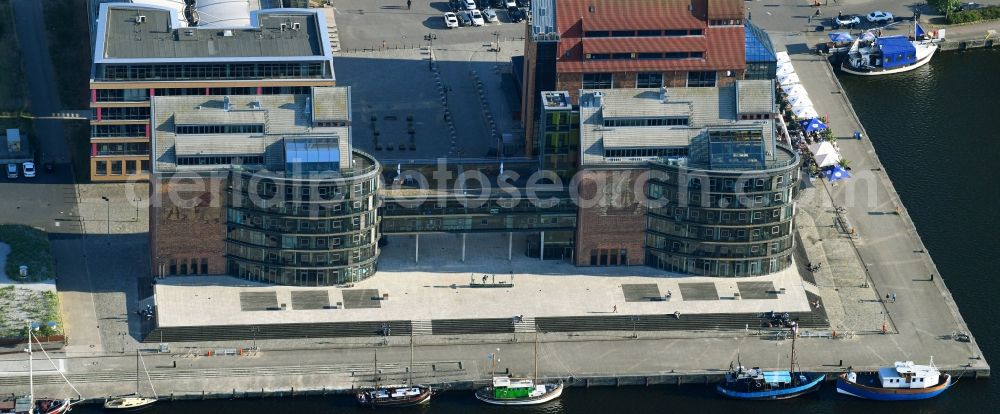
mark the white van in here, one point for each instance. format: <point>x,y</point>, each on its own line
<point>11,170</point>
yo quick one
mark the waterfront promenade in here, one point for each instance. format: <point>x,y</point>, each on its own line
<point>887,245</point>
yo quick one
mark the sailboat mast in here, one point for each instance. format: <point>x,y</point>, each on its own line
<point>31,374</point>
<point>535,378</point>
<point>375,379</point>
<point>792,357</point>
<point>137,371</point>
<point>409,380</point>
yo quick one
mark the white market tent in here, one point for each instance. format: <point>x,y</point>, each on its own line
<point>782,57</point>
<point>794,90</point>
<point>785,69</point>
<point>788,79</point>
<point>800,100</point>
<point>825,154</point>
<point>806,112</point>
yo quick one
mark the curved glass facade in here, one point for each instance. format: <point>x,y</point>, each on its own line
<point>308,230</point>
<point>721,223</point>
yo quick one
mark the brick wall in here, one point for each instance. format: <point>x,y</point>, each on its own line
<point>188,221</point>
<point>528,91</point>
<point>570,82</point>
<point>610,215</point>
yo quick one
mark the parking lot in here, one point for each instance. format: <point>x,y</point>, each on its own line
<point>404,107</point>
<point>366,24</point>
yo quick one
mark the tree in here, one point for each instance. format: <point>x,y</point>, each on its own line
<point>944,6</point>
<point>844,163</point>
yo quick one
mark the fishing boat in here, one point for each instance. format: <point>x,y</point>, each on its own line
<point>505,390</point>
<point>395,396</point>
<point>134,401</point>
<point>756,384</point>
<point>884,55</point>
<point>901,382</point>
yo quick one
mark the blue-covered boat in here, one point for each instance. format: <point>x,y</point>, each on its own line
<point>902,382</point>
<point>756,384</point>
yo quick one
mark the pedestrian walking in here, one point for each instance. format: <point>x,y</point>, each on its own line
<point>614,309</point>
<point>408,4</point>
<point>894,297</point>
<point>886,297</point>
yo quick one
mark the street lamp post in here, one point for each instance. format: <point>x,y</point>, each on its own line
<point>634,318</point>
<point>430,49</point>
<point>136,200</point>
<point>107,202</point>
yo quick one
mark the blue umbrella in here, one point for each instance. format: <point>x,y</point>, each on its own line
<point>812,125</point>
<point>837,173</point>
<point>841,37</point>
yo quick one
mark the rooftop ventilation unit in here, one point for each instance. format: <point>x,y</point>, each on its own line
<point>226,105</point>
<point>295,26</point>
<point>227,33</point>
<point>255,104</point>
<point>284,27</point>
<point>140,19</point>
<point>663,94</point>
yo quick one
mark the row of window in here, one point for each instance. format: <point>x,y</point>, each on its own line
<point>645,56</point>
<point>283,241</point>
<point>222,160</point>
<point>644,33</point>
<point>122,148</point>
<point>645,122</point>
<point>716,267</point>
<point>716,200</point>
<point>285,225</point>
<point>725,22</point>
<point>124,114</point>
<point>298,259</point>
<point>101,167</point>
<point>645,152</point>
<point>604,80</point>
<point>193,266</point>
<point>300,277</point>
<point>117,131</point>
<point>268,189</point>
<point>139,95</point>
<point>220,129</point>
<point>672,228</point>
<point>695,248</point>
<point>213,71</point>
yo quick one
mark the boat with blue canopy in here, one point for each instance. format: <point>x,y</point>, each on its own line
<point>883,55</point>
<point>757,384</point>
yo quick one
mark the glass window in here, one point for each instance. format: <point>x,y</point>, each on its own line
<point>649,80</point>
<point>116,167</point>
<point>130,167</point>
<point>701,79</point>
<point>596,81</point>
<point>101,168</point>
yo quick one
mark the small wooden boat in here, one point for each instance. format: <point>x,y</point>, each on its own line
<point>395,396</point>
<point>135,401</point>
<point>901,382</point>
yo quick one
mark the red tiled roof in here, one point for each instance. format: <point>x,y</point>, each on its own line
<point>725,9</point>
<point>725,50</point>
<point>644,44</point>
<point>629,14</point>
<point>724,47</point>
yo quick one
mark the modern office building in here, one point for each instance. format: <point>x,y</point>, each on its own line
<point>689,180</point>
<point>762,63</point>
<point>160,48</point>
<point>266,188</point>
<point>604,44</point>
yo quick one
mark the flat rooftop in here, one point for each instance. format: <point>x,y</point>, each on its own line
<point>152,33</point>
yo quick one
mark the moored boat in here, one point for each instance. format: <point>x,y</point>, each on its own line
<point>29,405</point>
<point>134,401</point>
<point>901,382</point>
<point>394,396</point>
<point>507,391</point>
<point>885,55</point>
<point>756,384</point>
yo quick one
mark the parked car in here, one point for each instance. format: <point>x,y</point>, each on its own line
<point>515,14</point>
<point>11,170</point>
<point>491,16</point>
<point>880,17</point>
<point>464,19</point>
<point>29,169</point>
<point>968,6</point>
<point>456,5</point>
<point>510,3</point>
<point>477,18</point>
<point>450,20</point>
<point>470,5</point>
<point>846,20</point>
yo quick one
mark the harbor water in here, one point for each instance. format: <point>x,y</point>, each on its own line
<point>936,132</point>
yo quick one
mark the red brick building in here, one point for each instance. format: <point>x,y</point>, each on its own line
<point>605,44</point>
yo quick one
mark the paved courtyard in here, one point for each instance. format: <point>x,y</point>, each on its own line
<point>440,286</point>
